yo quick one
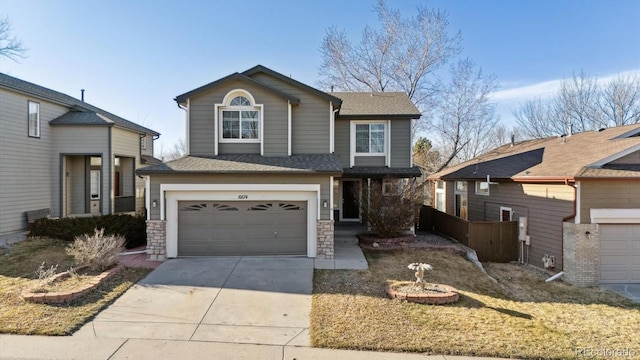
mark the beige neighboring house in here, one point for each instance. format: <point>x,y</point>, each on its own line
<point>580,194</point>
<point>272,163</point>
<point>63,155</point>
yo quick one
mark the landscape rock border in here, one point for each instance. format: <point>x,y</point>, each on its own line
<point>447,296</point>
<point>66,296</point>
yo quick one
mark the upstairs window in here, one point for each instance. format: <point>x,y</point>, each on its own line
<point>240,120</point>
<point>143,143</point>
<point>482,188</point>
<point>370,138</point>
<point>34,119</point>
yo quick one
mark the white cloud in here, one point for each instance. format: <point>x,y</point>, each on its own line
<point>545,89</point>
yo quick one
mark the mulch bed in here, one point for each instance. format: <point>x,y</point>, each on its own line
<point>422,240</point>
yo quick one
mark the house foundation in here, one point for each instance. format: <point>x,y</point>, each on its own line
<point>581,251</point>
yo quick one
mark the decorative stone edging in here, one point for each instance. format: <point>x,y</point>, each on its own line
<point>65,296</point>
<point>454,248</point>
<point>449,294</point>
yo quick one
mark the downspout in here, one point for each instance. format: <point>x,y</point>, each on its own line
<point>567,218</point>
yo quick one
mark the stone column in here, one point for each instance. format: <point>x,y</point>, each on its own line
<point>156,240</point>
<point>325,248</point>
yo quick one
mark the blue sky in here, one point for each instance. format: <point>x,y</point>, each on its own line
<point>134,57</point>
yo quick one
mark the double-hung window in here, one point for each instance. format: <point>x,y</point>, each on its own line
<point>240,120</point>
<point>370,138</point>
<point>34,119</point>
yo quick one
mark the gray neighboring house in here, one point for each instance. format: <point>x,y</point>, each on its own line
<point>272,163</point>
<point>63,154</point>
<point>580,194</point>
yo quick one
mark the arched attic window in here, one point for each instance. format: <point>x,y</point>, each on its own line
<point>240,118</point>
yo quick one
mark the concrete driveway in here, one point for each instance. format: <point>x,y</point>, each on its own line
<point>257,300</point>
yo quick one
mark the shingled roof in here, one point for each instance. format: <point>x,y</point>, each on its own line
<point>324,163</point>
<point>373,105</point>
<point>583,155</point>
<point>80,112</point>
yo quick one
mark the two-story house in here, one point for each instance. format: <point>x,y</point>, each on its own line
<point>65,156</point>
<point>271,164</point>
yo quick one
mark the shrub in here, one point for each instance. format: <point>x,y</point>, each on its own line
<point>45,276</point>
<point>132,228</point>
<point>388,216</point>
<point>97,250</point>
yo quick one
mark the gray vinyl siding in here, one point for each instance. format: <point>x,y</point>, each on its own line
<point>149,150</point>
<point>342,136</point>
<point>201,121</point>
<point>608,194</point>
<point>323,180</point>
<point>82,140</point>
<point>400,143</point>
<point>543,204</point>
<point>633,158</point>
<point>369,161</point>
<point>239,148</point>
<point>127,144</point>
<point>26,164</point>
<point>310,119</point>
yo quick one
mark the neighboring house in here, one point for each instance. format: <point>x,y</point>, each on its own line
<point>62,154</point>
<point>271,164</point>
<point>580,194</point>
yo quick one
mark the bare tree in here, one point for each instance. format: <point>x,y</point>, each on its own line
<point>179,150</point>
<point>10,46</point>
<point>537,120</point>
<point>581,104</point>
<point>620,101</point>
<point>401,55</point>
<point>465,115</point>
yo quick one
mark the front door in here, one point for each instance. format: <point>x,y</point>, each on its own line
<point>350,191</point>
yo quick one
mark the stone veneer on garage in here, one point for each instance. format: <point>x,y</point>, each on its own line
<point>156,240</point>
<point>581,253</point>
<point>325,248</point>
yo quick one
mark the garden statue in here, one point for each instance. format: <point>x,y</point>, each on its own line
<point>420,268</point>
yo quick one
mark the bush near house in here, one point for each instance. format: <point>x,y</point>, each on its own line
<point>389,216</point>
<point>132,228</point>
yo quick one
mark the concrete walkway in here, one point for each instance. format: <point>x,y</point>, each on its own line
<point>49,347</point>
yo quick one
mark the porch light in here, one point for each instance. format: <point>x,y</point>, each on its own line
<point>325,204</point>
<point>154,203</point>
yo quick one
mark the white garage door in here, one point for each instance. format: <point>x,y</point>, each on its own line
<point>209,228</point>
<point>619,253</point>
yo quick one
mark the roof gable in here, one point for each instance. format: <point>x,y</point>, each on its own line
<point>181,99</point>
<point>374,105</point>
<point>25,87</point>
<point>262,69</point>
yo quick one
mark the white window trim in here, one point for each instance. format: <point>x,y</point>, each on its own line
<point>38,127</point>
<point>504,208</point>
<point>461,192</point>
<point>482,193</point>
<point>444,196</point>
<point>170,194</point>
<point>352,140</point>
<point>91,172</point>
<point>219,108</point>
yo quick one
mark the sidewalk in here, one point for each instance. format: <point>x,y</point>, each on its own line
<point>44,347</point>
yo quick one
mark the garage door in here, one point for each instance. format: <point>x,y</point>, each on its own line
<point>619,253</point>
<point>209,228</point>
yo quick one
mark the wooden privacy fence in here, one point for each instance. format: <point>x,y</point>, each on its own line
<point>492,241</point>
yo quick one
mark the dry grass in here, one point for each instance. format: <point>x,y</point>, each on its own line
<point>17,267</point>
<point>520,317</point>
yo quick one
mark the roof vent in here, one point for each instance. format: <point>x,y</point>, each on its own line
<point>601,129</point>
<point>513,139</point>
<point>564,138</point>
<point>82,95</point>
